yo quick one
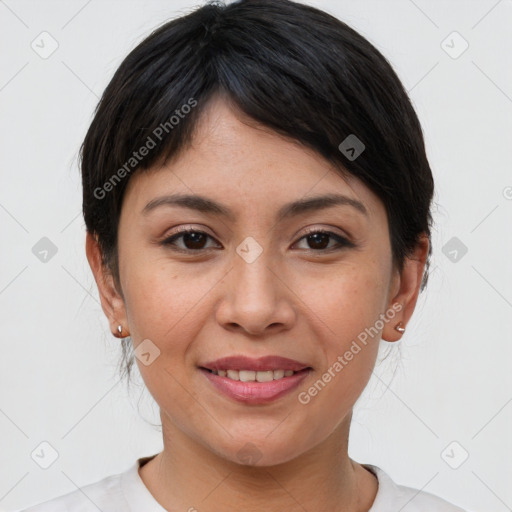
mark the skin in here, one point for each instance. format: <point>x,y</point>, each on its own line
<point>294,300</point>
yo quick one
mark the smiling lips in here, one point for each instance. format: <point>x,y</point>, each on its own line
<point>255,381</point>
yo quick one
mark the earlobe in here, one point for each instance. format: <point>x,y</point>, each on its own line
<point>394,331</point>
<point>111,301</point>
<point>409,283</point>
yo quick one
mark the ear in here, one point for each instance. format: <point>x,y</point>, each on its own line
<point>112,302</point>
<point>405,289</point>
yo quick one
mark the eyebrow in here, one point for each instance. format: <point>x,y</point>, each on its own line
<point>206,205</point>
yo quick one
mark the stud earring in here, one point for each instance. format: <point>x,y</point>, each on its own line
<point>399,327</point>
<point>119,330</point>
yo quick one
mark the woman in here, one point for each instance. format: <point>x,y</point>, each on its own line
<point>257,201</point>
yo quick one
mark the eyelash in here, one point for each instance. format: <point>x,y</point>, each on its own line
<point>169,242</point>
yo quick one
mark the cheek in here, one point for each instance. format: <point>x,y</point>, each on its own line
<point>161,296</point>
<point>164,306</point>
<point>348,358</point>
<point>342,309</point>
<point>342,302</point>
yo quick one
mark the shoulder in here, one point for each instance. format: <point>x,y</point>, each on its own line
<point>122,492</point>
<point>391,495</point>
<point>105,495</point>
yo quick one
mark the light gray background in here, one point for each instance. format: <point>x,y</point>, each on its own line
<point>453,383</point>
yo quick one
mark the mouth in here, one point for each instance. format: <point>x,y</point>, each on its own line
<point>255,381</point>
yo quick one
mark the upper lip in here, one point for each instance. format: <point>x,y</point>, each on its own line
<point>259,364</point>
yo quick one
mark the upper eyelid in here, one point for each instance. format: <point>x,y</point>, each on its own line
<point>187,229</point>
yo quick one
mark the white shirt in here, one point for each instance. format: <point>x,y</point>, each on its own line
<point>127,492</point>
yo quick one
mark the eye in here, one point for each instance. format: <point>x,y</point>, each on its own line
<point>193,240</point>
<point>319,240</point>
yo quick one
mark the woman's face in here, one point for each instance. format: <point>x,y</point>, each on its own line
<point>252,283</point>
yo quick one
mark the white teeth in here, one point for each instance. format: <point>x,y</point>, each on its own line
<point>278,374</point>
<point>254,376</point>
<point>265,376</point>
<point>247,375</point>
<point>233,375</point>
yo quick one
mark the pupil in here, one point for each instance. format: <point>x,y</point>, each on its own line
<point>316,237</point>
<point>195,238</point>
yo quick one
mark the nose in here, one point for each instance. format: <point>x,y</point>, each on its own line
<point>255,298</point>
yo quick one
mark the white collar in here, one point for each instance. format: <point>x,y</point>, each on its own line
<point>139,498</point>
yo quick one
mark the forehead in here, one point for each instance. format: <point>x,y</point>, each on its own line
<point>234,161</point>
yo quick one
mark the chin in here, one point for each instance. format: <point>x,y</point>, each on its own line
<point>259,452</point>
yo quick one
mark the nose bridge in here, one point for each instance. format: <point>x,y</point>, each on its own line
<point>255,297</point>
<point>253,279</point>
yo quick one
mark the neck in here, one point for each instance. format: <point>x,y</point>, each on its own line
<point>188,476</point>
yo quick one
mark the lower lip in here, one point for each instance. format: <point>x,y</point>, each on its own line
<point>256,392</point>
